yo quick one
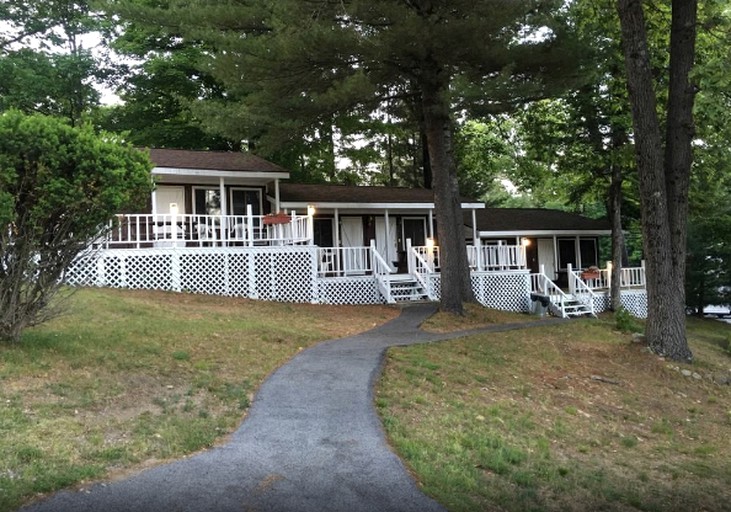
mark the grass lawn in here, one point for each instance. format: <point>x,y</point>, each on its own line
<point>568,417</point>
<point>129,379</point>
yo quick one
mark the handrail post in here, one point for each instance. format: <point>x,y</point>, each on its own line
<point>410,256</point>
<point>249,225</point>
<point>570,275</point>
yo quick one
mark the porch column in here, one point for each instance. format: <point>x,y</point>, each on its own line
<point>474,227</point>
<point>578,253</point>
<point>224,227</point>
<point>388,237</point>
<point>431,223</point>
<point>555,256</point>
<point>277,203</point>
<point>337,239</point>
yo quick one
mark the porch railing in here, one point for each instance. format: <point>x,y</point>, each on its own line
<point>580,289</point>
<point>630,277</point>
<point>344,261</point>
<point>139,231</point>
<point>496,257</point>
<point>541,284</point>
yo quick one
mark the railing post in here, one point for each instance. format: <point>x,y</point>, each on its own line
<point>478,257</point>
<point>410,256</point>
<point>249,226</point>
<point>570,275</point>
<point>610,269</point>
<point>643,279</point>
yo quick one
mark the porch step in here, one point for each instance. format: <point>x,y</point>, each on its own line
<point>405,288</point>
<point>574,308</point>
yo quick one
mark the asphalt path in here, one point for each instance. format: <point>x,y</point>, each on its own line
<point>311,441</point>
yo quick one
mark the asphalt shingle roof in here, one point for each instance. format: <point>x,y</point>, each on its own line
<point>212,160</point>
<point>534,219</point>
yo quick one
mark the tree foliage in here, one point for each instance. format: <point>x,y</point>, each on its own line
<point>297,67</point>
<point>59,186</point>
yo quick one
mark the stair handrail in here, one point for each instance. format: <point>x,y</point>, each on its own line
<point>540,283</point>
<point>420,270</point>
<point>580,290</point>
<point>381,269</point>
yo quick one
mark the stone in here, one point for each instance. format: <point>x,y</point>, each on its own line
<point>697,376</point>
<point>721,378</point>
<point>686,373</point>
<point>638,337</point>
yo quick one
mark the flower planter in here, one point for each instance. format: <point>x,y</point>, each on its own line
<point>278,218</point>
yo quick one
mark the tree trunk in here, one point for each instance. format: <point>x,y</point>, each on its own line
<point>663,232</point>
<point>615,207</point>
<point>456,286</point>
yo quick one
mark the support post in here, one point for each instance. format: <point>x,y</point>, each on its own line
<point>249,226</point>
<point>610,267</point>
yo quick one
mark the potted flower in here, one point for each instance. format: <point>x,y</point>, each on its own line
<point>592,272</point>
<point>277,218</point>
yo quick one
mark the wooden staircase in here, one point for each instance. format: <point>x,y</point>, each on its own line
<point>568,306</point>
<point>406,288</point>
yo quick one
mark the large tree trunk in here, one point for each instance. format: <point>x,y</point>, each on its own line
<point>661,182</point>
<point>456,285</point>
<point>615,210</point>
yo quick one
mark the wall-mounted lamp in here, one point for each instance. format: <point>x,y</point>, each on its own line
<point>311,210</point>
<point>525,242</point>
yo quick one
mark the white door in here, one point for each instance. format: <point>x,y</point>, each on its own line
<point>387,249</point>
<point>546,257</point>
<point>351,235</point>
<point>165,195</point>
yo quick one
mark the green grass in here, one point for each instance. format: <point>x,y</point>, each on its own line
<point>129,379</point>
<point>513,421</point>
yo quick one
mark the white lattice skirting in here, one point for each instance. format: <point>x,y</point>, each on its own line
<point>507,290</point>
<point>634,301</point>
<point>285,274</point>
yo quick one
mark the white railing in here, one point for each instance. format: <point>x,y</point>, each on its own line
<point>429,254</point>
<point>540,284</point>
<point>630,277</point>
<point>139,231</point>
<point>423,261</point>
<point>579,289</point>
<point>496,257</point>
<point>344,261</point>
<point>382,270</point>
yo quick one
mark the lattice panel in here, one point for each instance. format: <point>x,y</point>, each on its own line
<point>349,290</point>
<point>601,303</point>
<point>636,303</point>
<point>147,271</point>
<point>238,273</point>
<point>83,271</point>
<point>509,291</point>
<point>294,276</point>
<point>205,273</point>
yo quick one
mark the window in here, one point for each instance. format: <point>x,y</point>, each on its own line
<point>414,228</point>
<point>566,253</point>
<point>587,247</point>
<point>207,201</point>
<point>242,197</point>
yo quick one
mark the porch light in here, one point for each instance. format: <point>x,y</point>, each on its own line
<point>430,243</point>
<point>311,210</point>
<point>525,242</point>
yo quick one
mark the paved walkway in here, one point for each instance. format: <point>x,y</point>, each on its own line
<point>312,441</point>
